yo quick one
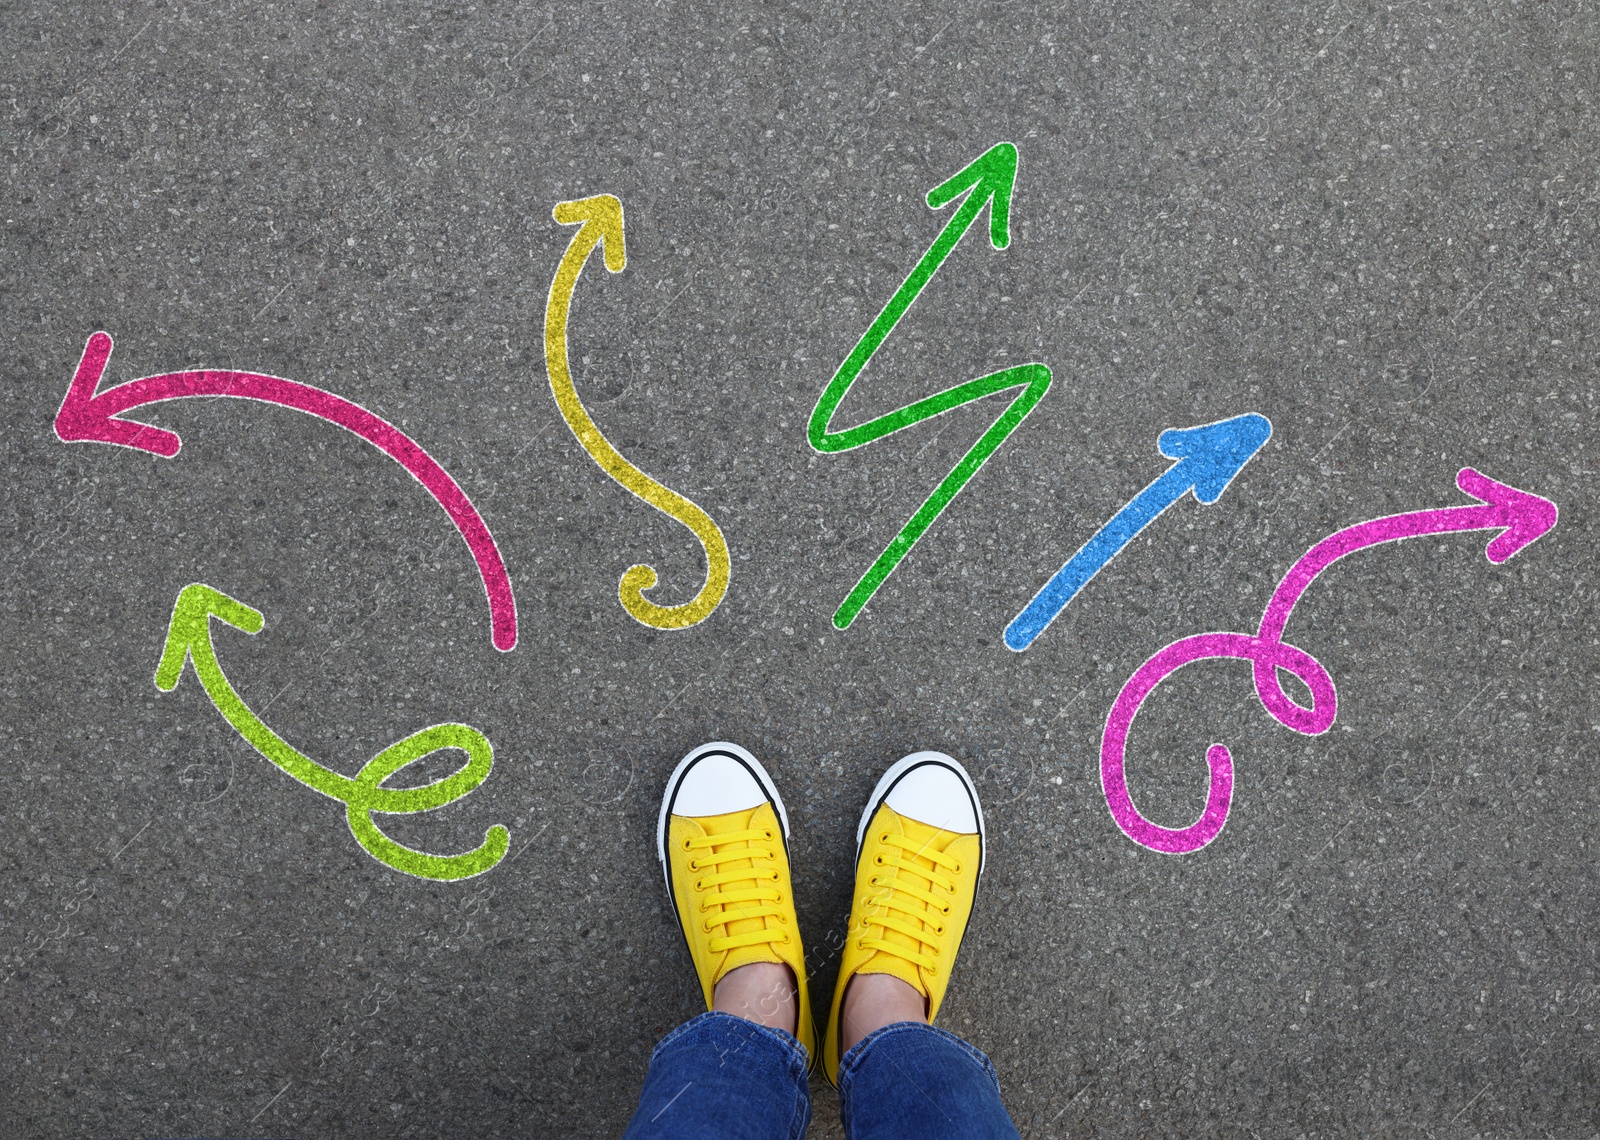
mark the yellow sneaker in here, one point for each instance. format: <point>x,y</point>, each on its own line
<point>919,853</point>
<point>723,841</point>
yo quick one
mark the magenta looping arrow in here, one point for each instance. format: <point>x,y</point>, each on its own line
<point>84,415</point>
<point>1519,516</point>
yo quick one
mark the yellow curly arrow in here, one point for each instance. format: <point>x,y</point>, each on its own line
<point>600,223</point>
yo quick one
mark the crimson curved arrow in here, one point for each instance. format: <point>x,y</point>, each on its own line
<point>91,417</point>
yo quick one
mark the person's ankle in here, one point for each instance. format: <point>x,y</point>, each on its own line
<point>762,992</point>
<point>873,1001</point>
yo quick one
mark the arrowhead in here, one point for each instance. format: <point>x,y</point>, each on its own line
<point>1526,517</point>
<point>83,417</point>
<point>191,625</point>
<point>604,212</point>
<point>1212,454</point>
<point>993,176</point>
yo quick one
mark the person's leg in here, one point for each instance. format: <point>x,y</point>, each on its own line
<point>919,856</point>
<point>722,1077</point>
<point>913,1079</point>
<point>739,1070</point>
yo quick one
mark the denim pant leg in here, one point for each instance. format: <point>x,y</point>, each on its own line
<point>913,1080</point>
<point>720,1077</point>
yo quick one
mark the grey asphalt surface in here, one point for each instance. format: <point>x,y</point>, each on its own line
<point>1374,223</point>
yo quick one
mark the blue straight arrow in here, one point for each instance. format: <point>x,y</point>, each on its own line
<point>1208,457</point>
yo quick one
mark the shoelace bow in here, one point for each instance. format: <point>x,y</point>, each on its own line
<point>761,900</point>
<point>906,907</point>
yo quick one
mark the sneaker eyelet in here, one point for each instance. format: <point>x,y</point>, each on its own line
<point>767,834</point>
<point>776,876</point>
<point>878,859</point>
<point>785,940</point>
<point>945,909</point>
<point>884,838</point>
<point>956,869</point>
<point>687,846</point>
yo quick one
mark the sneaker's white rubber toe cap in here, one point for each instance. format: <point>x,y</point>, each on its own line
<point>932,788</point>
<point>716,784</point>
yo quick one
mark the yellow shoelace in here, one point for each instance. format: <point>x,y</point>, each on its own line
<point>762,899</point>
<point>906,907</point>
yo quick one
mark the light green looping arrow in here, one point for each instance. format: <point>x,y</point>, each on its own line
<point>189,638</point>
<point>988,181</point>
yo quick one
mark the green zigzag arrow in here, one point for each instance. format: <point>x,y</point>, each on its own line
<point>189,639</point>
<point>991,180</point>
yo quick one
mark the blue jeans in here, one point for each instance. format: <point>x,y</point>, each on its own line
<point>720,1077</point>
